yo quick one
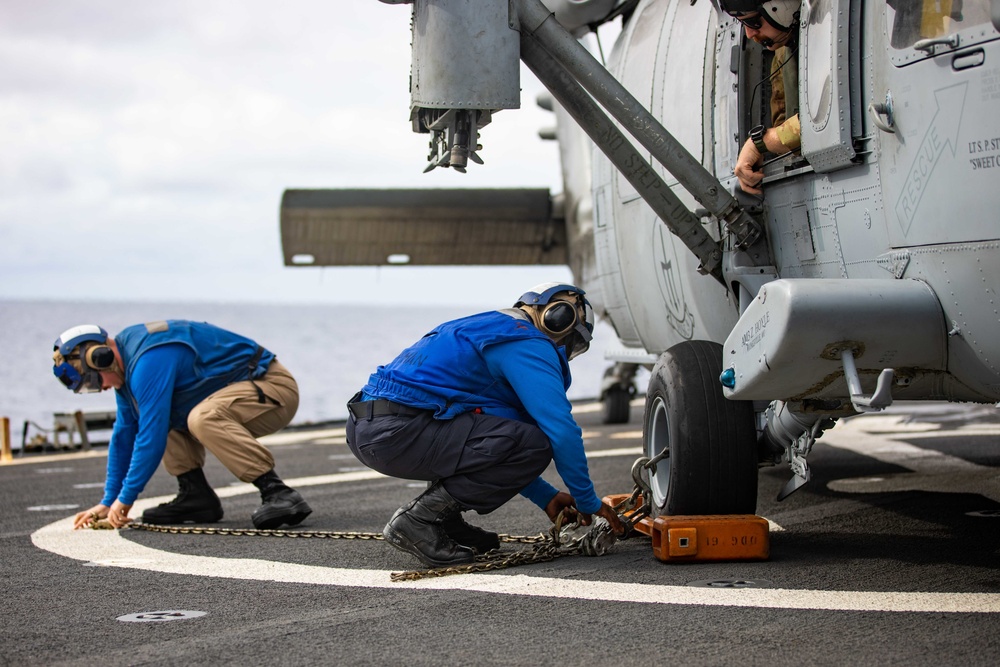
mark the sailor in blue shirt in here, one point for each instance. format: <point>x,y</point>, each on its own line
<point>181,388</point>
<point>478,407</point>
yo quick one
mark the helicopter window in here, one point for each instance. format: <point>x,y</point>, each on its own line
<point>913,20</point>
<point>770,88</point>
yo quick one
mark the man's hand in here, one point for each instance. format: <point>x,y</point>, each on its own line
<point>746,168</point>
<point>118,514</point>
<point>612,518</point>
<point>559,502</point>
<point>563,500</point>
<point>86,518</point>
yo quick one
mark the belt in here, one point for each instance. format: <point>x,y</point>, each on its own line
<point>381,407</point>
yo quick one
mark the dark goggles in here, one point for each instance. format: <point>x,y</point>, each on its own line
<point>89,382</point>
<point>752,21</point>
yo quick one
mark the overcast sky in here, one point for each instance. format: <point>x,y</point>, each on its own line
<point>145,146</point>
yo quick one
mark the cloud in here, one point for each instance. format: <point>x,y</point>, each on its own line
<point>147,145</point>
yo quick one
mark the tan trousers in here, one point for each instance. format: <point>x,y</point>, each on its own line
<point>228,423</point>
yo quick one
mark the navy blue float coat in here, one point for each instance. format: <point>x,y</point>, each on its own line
<point>500,364</point>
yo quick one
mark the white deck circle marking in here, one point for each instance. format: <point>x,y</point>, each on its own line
<point>108,548</point>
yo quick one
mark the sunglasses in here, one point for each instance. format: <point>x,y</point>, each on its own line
<point>752,21</point>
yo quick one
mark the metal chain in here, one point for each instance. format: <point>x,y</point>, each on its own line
<point>261,532</point>
<point>545,550</point>
<point>563,539</point>
<point>258,532</point>
<point>495,560</point>
<point>546,547</point>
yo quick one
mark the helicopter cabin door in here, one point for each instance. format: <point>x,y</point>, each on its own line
<point>828,66</point>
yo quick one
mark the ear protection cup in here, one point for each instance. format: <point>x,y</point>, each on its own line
<point>99,357</point>
<point>558,318</point>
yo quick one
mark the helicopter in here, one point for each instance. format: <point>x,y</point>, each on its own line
<point>868,272</point>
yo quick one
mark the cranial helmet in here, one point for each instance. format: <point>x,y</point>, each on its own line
<point>561,312</point>
<point>782,14</point>
<point>79,356</point>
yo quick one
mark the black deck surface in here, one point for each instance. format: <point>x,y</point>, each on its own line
<point>889,556</point>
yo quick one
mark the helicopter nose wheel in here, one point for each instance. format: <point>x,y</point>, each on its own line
<point>711,464</point>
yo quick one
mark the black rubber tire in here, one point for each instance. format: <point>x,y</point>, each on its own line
<point>615,405</point>
<point>712,467</point>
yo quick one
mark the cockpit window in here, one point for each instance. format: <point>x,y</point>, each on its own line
<point>913,20</point>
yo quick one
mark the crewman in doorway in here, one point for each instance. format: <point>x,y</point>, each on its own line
<point>774,24</point>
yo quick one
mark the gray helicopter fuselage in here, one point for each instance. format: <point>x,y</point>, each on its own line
<point>898,179</point>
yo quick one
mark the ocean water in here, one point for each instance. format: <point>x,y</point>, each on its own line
<point>331,350</point>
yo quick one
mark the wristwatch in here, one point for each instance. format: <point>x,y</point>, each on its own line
<point>757,137</point>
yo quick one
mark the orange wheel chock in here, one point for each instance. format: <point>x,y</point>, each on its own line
<point>699,538</point>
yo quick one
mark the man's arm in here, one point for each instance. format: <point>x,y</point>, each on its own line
<point>152,384</point>
<point>119,449</point>
<point>779,140</point>
<point>532,369</point>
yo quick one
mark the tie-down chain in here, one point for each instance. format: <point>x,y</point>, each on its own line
<point>566,537</point>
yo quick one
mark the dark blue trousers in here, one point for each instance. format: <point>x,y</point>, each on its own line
<point>481,460</point>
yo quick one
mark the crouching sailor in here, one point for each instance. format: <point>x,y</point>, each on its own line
<point>478,408</point>
<point>181,388</point>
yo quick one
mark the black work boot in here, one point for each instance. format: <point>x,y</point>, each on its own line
<point>417,529</point>
<point>196,502</point>
<point>467,535</point>
<point>282,504</point>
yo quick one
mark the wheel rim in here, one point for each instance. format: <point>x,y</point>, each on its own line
<point>658,440</point>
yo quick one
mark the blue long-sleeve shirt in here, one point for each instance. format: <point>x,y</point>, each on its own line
<point>533,371</point>
<point>137,443</point>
